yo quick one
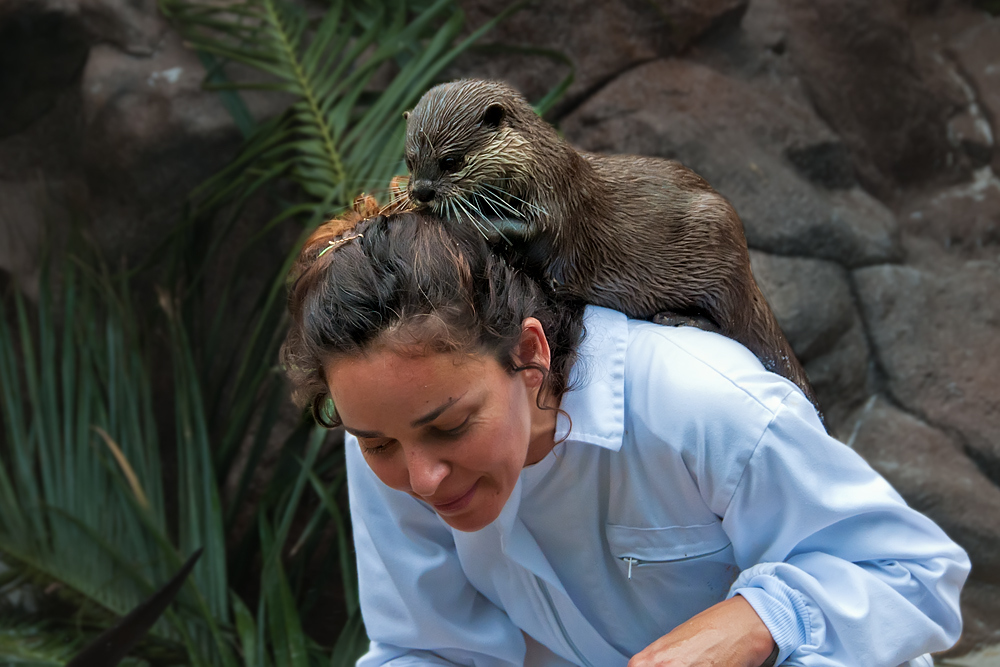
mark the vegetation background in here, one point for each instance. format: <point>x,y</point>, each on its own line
<point>160,160</point>
<point>139,400</point>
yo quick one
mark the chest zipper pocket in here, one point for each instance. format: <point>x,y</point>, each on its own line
<point>637,547</point>
<point>630,561</point>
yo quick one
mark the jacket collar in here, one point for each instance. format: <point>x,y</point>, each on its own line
<point>595,401</point>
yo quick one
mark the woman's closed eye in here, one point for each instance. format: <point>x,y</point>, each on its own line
<point>375,445</point>
<point>450,431</point>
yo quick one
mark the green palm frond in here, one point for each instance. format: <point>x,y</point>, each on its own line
<point>35,644</point>
<point>56,387</point>
<point>88,525</point>
<point>348,68</point>
<point>348,72</point>
<point>82,504</point>
<point>335,138</point>
<point>991,6</point>
<point>85,512</point>
<point>342,133</point>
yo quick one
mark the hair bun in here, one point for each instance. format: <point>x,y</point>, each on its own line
<point>366,206</point>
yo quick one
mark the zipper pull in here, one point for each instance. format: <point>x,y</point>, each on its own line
<point>630,561</point>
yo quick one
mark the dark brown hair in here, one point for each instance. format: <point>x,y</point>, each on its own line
<point>417,281</point>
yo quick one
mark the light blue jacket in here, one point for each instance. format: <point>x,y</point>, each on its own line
<point>689,475</point>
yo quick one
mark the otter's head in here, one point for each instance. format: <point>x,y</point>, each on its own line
<point>469,151</point>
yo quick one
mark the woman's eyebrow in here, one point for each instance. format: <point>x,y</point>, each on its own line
<point>435,413</point>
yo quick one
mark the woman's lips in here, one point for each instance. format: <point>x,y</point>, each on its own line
<point>457,505</point>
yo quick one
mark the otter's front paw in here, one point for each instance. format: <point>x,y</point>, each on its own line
<point>506,231</point>
<point>671,319</point>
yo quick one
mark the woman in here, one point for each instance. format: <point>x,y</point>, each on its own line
<point>544,483</point>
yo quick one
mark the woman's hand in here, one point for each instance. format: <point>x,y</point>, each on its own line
<point>729,634</point>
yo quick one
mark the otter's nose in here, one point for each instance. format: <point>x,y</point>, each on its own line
<point>423,193</point>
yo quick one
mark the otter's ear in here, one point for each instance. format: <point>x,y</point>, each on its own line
<point>406,115</point>
<point>493,115</point>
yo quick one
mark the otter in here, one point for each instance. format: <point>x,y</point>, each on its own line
<point>642,235</point>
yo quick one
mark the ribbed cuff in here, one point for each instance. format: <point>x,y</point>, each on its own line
<point>782,609</point>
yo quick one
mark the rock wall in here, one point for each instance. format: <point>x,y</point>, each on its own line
<point>102,118</point>
<point>855,138</point>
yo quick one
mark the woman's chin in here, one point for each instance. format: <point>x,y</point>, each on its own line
<point>476,517</point>
<point>473,520</point>
<point>465,526</point>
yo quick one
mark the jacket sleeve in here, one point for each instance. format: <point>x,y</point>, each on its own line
<point>837,566</point>
<point>418,606</point>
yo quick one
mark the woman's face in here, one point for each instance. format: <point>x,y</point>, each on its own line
<point>451,429</point>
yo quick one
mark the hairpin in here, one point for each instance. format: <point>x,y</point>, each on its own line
<point>337,243</point>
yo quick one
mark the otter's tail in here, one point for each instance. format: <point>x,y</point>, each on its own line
<point>763,336</point>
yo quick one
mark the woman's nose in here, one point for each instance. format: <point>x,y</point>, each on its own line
<point>426,470</point>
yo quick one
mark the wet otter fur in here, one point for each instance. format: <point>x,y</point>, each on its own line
<point>645,236</point>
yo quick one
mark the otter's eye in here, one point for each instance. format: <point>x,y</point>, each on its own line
<point>450,163</point>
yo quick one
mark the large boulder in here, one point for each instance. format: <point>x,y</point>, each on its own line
<point>980,630</point>
<point>134,26</point>
<point>858,62</point>
<point>963,44</point>
<point>766,25</point>
<point>42,188</point>
<point>137,106</point>
<point>763,150</point>
<point>963,219</point>
<point>936,333</point>
<point>153,134</point>
<point>841,378</point>
<point>599,39</point>
<point>102,120</point>
<point>930,470</point>
<point>685,21</point>
<point>812,301</point>
<point>34,212</point>
<point>41,55</point>
<point>976,52</point>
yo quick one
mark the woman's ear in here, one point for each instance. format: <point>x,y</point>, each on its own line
<point>533,349</point>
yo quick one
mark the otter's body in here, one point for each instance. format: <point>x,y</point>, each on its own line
<point>642,235</point>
